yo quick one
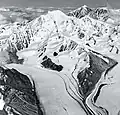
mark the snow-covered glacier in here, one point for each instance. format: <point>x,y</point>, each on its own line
<point>61,63</point>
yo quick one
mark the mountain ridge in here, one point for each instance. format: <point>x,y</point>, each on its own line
<point>83,30</point>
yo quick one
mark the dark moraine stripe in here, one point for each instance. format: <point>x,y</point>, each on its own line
<point>98,92</point>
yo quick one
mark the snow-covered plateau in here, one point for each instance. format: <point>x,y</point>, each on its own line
<point>60,63</point>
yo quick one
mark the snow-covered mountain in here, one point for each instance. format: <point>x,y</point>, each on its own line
<point>56,29</point>
<point>77,43</point>
<point>80,12</point>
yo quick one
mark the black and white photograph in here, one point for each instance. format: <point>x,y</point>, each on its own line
<point>59,57</point>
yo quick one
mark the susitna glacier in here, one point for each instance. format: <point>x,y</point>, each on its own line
<point>76,50</point>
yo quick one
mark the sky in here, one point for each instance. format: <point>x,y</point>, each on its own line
<point>58,3</point>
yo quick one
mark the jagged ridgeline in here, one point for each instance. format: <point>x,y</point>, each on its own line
<point>94,27</point>
<point>100,13</point>
<point>19,94</point>
<point>93,23</point>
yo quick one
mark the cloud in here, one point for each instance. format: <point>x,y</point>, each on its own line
<point>116,4</point>
<point>56,3</point>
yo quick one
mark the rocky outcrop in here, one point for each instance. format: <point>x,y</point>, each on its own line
<point>100,13</point>
<point>89,77</point>
<point>19,93</point>
<point>80,12</point>
<point>47,63</point>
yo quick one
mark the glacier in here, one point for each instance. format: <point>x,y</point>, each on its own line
<point>69,56</point>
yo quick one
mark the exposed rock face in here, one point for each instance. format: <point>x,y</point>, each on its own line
<point>47,63</point>
<point>101,14</point>
<point>7,57</point>
<point>80,12</point>
<point>19,93</point>
<point>89,77</point>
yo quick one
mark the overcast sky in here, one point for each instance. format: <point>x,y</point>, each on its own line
<point>58,3</point>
